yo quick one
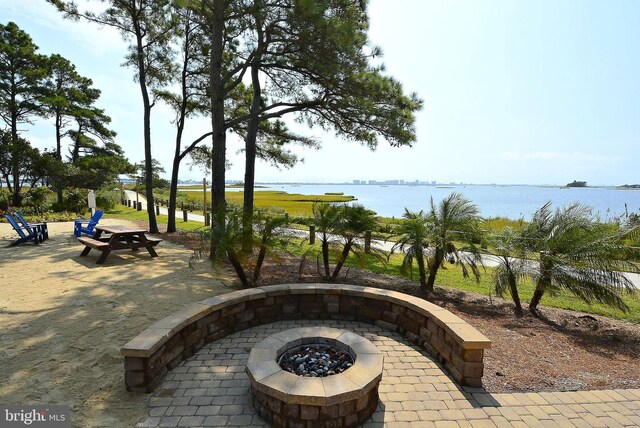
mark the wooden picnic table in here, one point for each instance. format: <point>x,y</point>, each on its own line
<point>118,238</point>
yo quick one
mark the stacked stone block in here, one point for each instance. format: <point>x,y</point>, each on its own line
<point>164,345</point>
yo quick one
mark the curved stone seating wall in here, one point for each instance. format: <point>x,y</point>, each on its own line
<point>164,345</point>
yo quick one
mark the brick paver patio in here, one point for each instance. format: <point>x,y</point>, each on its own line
<point>212,389</point>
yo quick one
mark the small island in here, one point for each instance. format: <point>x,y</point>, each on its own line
<point>575,183</point>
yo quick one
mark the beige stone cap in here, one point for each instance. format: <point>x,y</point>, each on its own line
<point>268,378</point>
<point>460,330</point>
<point>151,339</point>
<point>157,334</point>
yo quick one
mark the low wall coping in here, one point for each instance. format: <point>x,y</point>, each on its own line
<point>156,335</point>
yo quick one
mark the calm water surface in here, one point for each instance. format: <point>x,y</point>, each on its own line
<point>512,202</point>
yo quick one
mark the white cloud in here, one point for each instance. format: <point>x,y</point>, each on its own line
<point>82,34</point>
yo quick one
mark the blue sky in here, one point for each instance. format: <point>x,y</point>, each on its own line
<point>535,92</point>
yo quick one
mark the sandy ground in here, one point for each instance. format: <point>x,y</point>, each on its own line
<point>63,320</point>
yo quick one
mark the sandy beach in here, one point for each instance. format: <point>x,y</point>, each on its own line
<point>63,320</point>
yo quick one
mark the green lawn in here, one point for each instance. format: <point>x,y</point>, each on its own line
<point>127,213</point>
<point>452,278</point>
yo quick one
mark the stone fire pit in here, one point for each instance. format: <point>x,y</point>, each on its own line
<point>288,400</point>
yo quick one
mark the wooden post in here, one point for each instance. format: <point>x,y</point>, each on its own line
<point>182,206</point>
<point>191,207</point>
<point>204,201</point>
<point>312,234</point>
<point>367,242</point>
<point>129,203</point>
<point>184,215</point>
<point>137,196</point>
<point>157,209</point>
<point>139,206</point>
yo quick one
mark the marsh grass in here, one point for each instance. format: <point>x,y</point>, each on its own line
<point>293,203</point>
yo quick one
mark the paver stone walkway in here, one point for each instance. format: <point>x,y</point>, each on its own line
<point>211,389</point>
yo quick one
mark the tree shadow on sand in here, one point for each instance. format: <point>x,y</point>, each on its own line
<point>63,320</point>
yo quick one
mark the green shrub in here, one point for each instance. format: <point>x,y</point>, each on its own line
<point>5,198</point>
<point>75,200</point>
<point>37,198</point>
<point>107,199</point>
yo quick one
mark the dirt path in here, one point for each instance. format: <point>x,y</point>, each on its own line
<point>63,320</point>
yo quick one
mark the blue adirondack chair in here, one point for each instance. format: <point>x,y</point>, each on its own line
<point>42,226</point>
<point>79,226</point>
<point>25,233</point>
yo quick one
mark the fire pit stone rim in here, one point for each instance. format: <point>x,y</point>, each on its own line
<point>269,378</point>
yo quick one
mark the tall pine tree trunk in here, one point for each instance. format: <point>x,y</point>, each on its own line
<point>217,126</point>
<point>177,156</point>
<point>59,154</point>
<point>173,194</point>
<point>148,167</point>
<point>250,162</point>
<point>16,197</point>
<point>146,102</point>
<point>250,140</point>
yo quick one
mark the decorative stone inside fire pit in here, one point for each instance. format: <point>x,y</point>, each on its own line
<point>343,399</point>
<point>316,360</point>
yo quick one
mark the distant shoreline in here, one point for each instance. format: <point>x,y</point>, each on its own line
<point>305,183</point>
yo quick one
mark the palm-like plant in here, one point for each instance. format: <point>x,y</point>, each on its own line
<point>455,219</point>
<point>340,230</point>
<point>413,241</point>
<point>508,250</point>
<point>327,221</point>
<point>269,231</point>
<point>355,220</point>
<point>231,242</point>
<point>579,255</point>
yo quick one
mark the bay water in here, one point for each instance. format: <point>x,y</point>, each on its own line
<point>512,202</point>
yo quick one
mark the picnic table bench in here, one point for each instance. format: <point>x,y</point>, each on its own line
<point>119,238</point>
